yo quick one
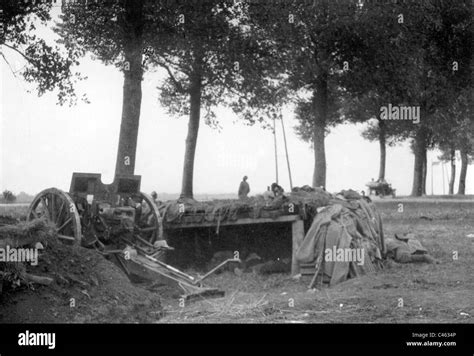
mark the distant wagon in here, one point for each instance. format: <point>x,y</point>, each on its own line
<point>381,188</point>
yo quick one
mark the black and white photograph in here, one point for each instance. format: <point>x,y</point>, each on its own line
<point>231,167</point>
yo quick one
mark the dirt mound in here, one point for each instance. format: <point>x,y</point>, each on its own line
<point>86,288</point>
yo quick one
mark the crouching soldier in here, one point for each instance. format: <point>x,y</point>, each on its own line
<point>277,190</point>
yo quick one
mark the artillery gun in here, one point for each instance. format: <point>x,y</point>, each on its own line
<point>102,216</point>
<point>120,222</point>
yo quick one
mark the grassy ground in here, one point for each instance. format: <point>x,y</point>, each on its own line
<point>16,211</point>
<point>413,293</point>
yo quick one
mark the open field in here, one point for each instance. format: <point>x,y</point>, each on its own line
<point>438,204</point>
<point>16,211</point>
<point>438,293</point>
<point>413,293</point>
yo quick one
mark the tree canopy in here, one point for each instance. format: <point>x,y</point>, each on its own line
<point>48,66</point>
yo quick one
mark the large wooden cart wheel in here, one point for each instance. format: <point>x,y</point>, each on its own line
<point>58,207</point>
<point>149,222</point>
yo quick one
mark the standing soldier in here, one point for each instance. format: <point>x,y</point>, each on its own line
<point>244,188</point>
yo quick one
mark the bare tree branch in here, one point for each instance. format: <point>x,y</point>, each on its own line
<point>35,63</point>
<point>177,84</point>
<point>9,66</point>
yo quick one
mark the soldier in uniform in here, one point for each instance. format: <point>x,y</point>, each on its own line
<point>154,196</point>
<point>244,189</point>
<point>407,249</point>
<point>277,190</point>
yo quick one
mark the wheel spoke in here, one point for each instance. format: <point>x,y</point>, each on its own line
<point>35,214</point>
<point>148,229</point>
<point>53,207</point>
<point>45,208</point>
<point>68,238</point>
<point>66,223</point>
<point>60,212</point>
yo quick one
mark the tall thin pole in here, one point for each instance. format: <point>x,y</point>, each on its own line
<point>442,173</point>
<point>275,145</point>
<point>447,178</point>
<point>432,177</point>
<point>286,151</point>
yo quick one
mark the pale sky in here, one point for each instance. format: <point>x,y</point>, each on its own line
<point>41,144</point>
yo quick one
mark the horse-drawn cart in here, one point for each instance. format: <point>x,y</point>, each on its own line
<point>381,188</point>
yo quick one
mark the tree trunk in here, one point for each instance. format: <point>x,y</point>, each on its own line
<point>191,139</point>
<point>132,87</point>
<point>320,103</point>
<point>463,173</point>
<point>419,150</point>
<point>383,149</point>
<point>452,156</point>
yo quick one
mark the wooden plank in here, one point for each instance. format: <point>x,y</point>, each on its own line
<point>297,230</point>
<point>319,261</point>
<point>244,221</point>
<point>46,281</point>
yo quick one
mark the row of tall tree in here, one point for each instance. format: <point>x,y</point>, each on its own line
<point>202,46</point>
<point>335,61</point>
<point>353,58</point>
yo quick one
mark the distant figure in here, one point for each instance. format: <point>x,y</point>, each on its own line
<point>155,198</point>
<point>244,188</point>
<point>277,190</point>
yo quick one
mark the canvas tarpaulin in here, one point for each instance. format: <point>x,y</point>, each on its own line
<point>346,225</point>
